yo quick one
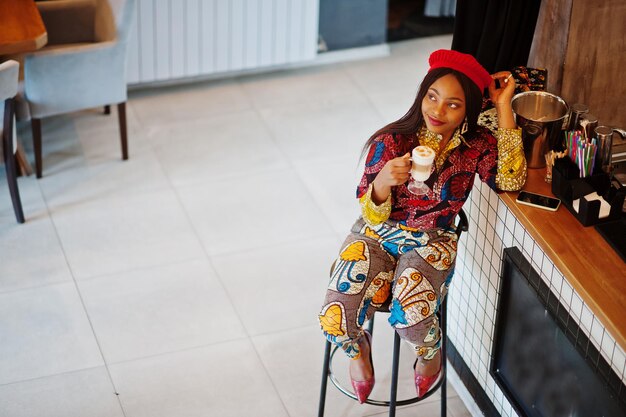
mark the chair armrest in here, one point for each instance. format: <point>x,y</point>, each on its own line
<point>68,21</point>
<point>9,71</point>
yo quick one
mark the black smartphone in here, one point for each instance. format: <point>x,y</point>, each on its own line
<point>538,200</point>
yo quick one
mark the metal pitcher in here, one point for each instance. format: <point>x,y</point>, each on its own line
<point>540,115</point>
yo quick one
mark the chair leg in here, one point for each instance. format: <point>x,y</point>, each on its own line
<point>35,125</point>
<point>107,109</point>
<point>322,404</point>
<point>394,375</point>
<point>444,358</point>
<point>121,112</point>
<point>9,159</point>
<point>23,166</point>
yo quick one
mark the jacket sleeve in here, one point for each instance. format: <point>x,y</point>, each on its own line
<point>511,174</point>
<point>380,152</point>
<point>502,164</point>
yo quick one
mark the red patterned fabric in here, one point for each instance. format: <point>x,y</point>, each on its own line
<point>449,186</point>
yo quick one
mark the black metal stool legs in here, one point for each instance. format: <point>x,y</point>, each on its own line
<point>444,356</point>
<point>327,373</point>
<point>320,412</point>
<point>394,375</point>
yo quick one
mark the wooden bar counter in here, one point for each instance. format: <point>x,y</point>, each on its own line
<point>589,263</point>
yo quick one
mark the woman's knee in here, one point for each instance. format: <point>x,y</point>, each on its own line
<point>335,328</point>
<point>360,261</point>
<point>332,319</point>
<point>414,300</point>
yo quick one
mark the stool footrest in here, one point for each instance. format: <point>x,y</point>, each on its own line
<point>393,402</point>
<point>370,401</point>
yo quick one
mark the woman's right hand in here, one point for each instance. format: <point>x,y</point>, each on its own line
<point>395,172</point>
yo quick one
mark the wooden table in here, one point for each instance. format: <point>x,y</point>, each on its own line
<point>588,262</point>
<point>21,30</point>
<point>21,27</point>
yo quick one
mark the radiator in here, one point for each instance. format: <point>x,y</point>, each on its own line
<point>175,39</point>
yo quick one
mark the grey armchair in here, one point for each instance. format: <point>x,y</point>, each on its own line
<point>9,72</point>
<point>82,66</point>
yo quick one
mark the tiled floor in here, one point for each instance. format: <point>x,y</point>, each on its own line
<point>186,281</point>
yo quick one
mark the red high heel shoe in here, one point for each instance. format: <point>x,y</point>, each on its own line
<point>424,383</point>
<point>362,389</point>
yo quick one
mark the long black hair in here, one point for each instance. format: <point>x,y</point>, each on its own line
<point>412,121</point>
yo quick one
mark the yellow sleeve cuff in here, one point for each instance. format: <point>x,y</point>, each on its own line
<point>373,214</point>
<point>511,174</point>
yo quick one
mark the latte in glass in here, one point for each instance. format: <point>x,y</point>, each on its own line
<point>422,159</point>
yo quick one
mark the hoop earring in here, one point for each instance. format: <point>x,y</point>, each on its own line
<point>464,127</point>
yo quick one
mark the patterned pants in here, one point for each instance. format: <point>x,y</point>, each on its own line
<point>412,267</point>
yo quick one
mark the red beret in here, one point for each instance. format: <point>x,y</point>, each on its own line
<point>464,63</point>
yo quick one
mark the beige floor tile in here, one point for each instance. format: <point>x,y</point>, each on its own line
<point>45,331</point>
<point>233,145</point>
<point>87,180</point>
<point>250,213</point>
<point>74,394</point>
<point>158,310</point>
<point>281,286</point>
<point>405,68</point>
<point>176,104</point>
<point>337,126</point>
<point>31,254</point>
<point>298,86</point>
<point>226,380</point>
<point>126,231</point>
<point>332,182</point>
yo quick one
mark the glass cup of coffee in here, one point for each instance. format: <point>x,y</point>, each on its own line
<point>422,158</point>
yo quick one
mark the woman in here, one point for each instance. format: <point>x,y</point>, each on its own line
<point>403,245</point>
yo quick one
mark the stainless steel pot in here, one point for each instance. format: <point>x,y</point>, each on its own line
<point>540,115</point>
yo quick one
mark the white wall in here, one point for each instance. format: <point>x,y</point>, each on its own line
<point>175,39</point>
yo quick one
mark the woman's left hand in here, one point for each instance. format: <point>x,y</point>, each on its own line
<point>501,98</point>
<point>504,93</point>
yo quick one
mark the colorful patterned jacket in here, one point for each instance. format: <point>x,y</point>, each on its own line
<point>500,163</point>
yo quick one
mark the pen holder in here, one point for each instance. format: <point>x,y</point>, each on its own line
<point>568,186</point>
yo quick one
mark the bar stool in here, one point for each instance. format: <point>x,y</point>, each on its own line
<point>393,402</point>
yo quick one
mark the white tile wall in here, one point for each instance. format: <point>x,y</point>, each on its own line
<point>476,287</point>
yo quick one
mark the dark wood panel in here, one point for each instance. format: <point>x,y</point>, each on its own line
<point>550,41</point>
<point>596,58</point>
<point>582,43</point>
